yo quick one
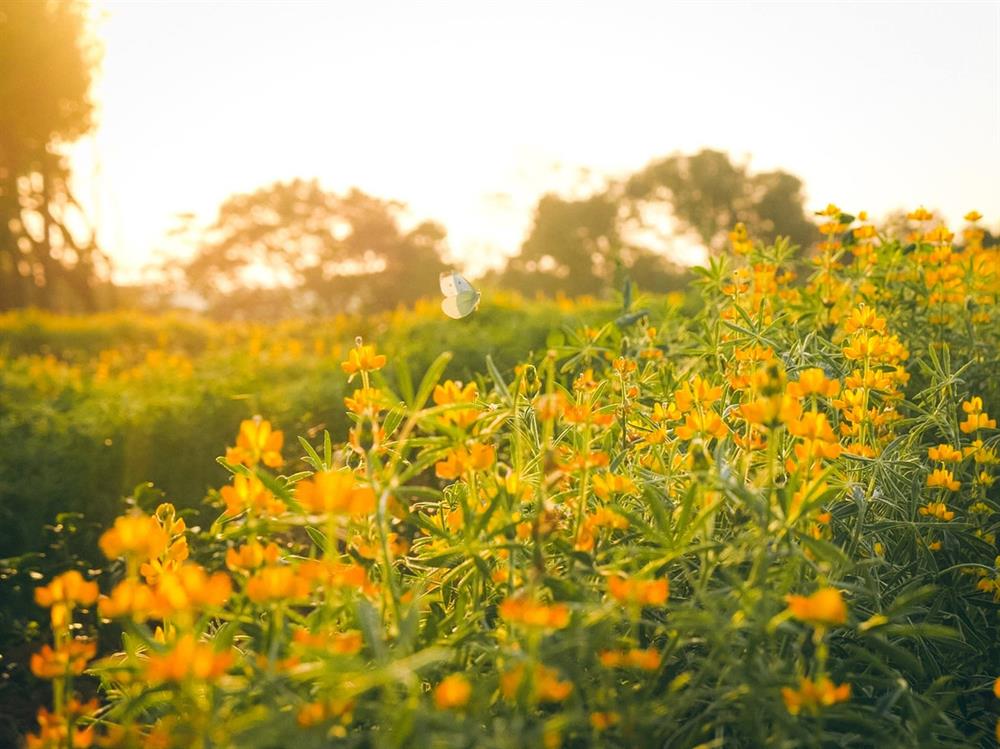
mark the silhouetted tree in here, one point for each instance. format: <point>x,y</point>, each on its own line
<point>581,246</point>
<point>47,57</point>
<point>293,247</point>
<point>708,193</point>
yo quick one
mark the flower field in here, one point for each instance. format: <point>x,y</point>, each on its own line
<point>764,518</point>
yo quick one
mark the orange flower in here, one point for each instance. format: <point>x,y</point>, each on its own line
<point>937,510</point>
<point>138,536</point>
<point>71,658</point>
<point>255,443</point>
<point>128,598</point>
<point>478,457</point>
<point>451,392</point>
<point>824,607</point>
<point>364,401</point>
<point>335,492</point>
<point>63,593</point>
<point>248,493</point>
<point>813,382</point>
<point>977,418</point>
<point>708,424</point>
<point>945,454</point>
<point>531,613</point>
<point>606,484</point>
<point>944,479</point>
<point>277,584</point>
<point>452,692</point>
<point>643,659</point>
<point>641,592</point>
<point>811,695</point>
<point>251,556</point>
<point>697,392</point>
<point>187,658</point>
<point>362,358</point>
<point>190,589</point>
<point>546,683</point>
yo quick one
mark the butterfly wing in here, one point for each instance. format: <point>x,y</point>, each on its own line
<point>461,304</point>
<point>453,284</point>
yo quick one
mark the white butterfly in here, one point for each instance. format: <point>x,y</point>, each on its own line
<point>460,299</point>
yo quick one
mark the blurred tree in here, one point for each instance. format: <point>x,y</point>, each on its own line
<point>708,193</point>
<point>48,257</point>
<point>572,247</point>
<point>580,246</point>
<point>295,247</point>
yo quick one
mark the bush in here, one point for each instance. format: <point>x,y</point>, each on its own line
<point>771,523</point>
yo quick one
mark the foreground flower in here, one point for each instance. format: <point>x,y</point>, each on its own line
<point>138,536</point>
<point>452,692</point>
<point>335,492</point>
<point>188,658</point>
<point>640,592</point>
<point>812,695</point>
<point>530,613</point>
<point>363,358</point>
<point>257,443</point>
<point>824,607</point>
<point>71,658</point>
<point>63,593</point>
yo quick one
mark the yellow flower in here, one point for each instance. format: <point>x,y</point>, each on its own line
<point>973,216</point>
<point>944,479</point>
<point>937,510</point>
<point>824,607</point>
<point>813,381</point>
<point>529,613</point>
<point>335,492</point>
<point>451,392</point>
<point>187,658</point>
<point>477,457</point>
<point>364,401</point>
<point>363,358</point>
<point>63,593</point>
<point>248,493</point>
<point>138,536</point>
<point>921,214</point>
<point>707,424</point>
<point>606,484</point>
<point>257,443</point>
<point>698,392</point>
<point>812,695</point>
<point>276,584</point>
<point>864,318</point>
<point>641,592</point>
<point>452,692</point>
<point>548,687</point>
<point>976,420</point>
<point>70,658</point>
<point>945,453</point>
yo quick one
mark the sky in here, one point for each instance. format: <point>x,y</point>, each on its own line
<point>469,111</point>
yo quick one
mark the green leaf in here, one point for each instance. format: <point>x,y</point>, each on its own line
<point>431,378</point>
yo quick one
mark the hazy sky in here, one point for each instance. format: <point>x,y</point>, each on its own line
<point>468,111</point>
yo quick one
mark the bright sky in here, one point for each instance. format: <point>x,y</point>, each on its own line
<point>468,111</point>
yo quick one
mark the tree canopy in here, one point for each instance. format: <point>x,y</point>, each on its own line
<point>47,63</point>
<point>296,247</point>
<point>581,246</point>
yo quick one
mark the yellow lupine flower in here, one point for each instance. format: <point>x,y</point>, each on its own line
<point>453,691</point>
<point>812,695</point>
<point>824,607</point>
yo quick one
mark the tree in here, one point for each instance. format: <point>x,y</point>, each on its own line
<point>708,193</point>
<point>47,57</point>
<point>581,246</point>
<point>295,247</point>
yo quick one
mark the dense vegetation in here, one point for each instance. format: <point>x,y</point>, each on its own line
<point>770,522</point>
